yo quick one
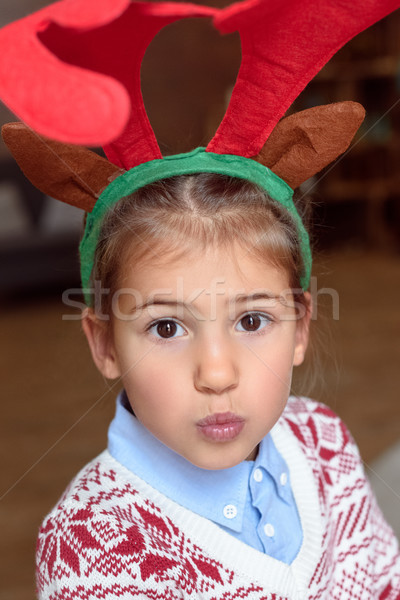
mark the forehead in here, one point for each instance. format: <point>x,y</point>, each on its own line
<point>233,266</point>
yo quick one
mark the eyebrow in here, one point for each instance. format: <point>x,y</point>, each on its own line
<point>257,296</point>
<point>240,298</point>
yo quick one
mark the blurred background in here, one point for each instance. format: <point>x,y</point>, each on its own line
<point>55,407</point>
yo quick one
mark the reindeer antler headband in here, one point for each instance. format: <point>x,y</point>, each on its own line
<point>71,72</point>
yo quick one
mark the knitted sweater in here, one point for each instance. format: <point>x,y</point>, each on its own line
<point>112,536</point>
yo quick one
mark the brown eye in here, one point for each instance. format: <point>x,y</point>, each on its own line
<point>254,322</point>
<point>251,322</point>
<point>166,329</point>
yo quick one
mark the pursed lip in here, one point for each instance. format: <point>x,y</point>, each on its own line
<point>220,419</point>
<point>221,427</point>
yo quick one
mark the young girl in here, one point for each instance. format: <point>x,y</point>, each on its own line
<point>216,483</point>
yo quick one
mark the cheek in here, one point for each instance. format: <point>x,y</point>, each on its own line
<point>268,384</point>
<point>272,363</point>
<point>156,398</point>
<point>281,368</point>
<point>152,385</point>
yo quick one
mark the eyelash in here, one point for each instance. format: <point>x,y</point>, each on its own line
<point>161,340</point>
<point>267,319</point>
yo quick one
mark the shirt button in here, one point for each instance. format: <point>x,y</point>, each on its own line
<point>283,479</point>
<point>230,511</point>
<point>258,475</point>
<point>269,530</point>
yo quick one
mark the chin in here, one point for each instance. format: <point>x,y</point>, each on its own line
<point>216,463</point>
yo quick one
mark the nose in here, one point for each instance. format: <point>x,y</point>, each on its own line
<point>216,369</point>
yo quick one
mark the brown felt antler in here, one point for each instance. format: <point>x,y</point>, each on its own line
<point>300,146</point>
<point>306,142</point>
<point>69,173</point>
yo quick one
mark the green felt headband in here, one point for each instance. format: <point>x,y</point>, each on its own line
<point>197,161</point>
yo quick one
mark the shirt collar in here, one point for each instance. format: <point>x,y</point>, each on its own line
<point>205,492</point>
<point>272,462</point>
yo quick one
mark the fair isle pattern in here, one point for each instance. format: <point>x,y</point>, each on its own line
<point>120,545</point>
<point>112,536</point>
<point>360,551</point>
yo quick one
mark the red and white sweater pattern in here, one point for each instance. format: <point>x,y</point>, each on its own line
<point>112,536</point>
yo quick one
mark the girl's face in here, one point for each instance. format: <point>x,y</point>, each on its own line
<point>204,347</point>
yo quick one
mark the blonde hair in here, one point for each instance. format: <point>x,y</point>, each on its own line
<point>174,215</point>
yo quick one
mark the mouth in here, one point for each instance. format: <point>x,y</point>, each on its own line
<point>221,427</point>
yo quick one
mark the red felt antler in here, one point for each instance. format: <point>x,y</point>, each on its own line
<point>82,58</point>
<point>72,70</point>
<point>56,99</point>
<point>284,45</point>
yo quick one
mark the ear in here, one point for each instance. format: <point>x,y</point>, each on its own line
<point>101,345</point>
<point>69,173</point>
<point>304,143</point>
<point>302,330</point>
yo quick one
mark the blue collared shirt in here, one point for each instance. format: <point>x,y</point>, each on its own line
<point>252,501</point>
